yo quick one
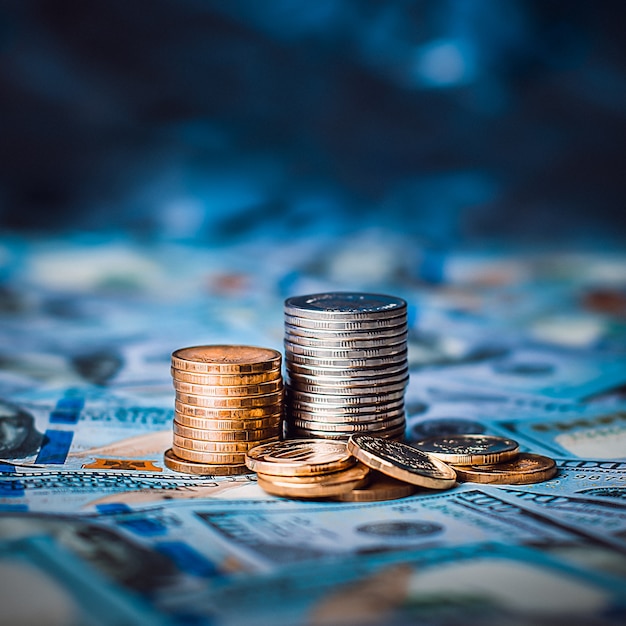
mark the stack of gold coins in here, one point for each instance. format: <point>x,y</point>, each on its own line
<point>228,399</point>
<point>346,364</point>
<point>306,468</point>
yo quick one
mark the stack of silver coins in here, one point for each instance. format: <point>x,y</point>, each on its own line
<point>346,365</point>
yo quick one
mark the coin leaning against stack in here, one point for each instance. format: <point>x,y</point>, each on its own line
<point>229,399</point>
<point>346,365</point>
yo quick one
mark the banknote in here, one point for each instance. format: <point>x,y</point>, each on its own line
<point>480,583</point>
<point>67,491</point>
<point>561,374</point>
<point>43,584</point>
<point>595,433</point>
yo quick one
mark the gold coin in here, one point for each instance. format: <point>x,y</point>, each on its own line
<point>235,435</point>
<point>230,403</point>
<point>329,487</point>
<point>357,472</point>
<point>272,426</point>
<point>469,449</point>
<point>218,446</point>
<point>524,470</point>
<point>222,391</point>
<point>205,469</point>
<point>212,423</point>
<point>226,359</point>
<point>226,380</point>
<point>401,461</point>
<point>228,413</point>
<point>299,457</point>
<point>217,458</point>
<point>379,488</point>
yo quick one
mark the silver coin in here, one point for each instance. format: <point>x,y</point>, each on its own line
<point>345,305</point>
<point>352,325</point>
<point>300,433</point>
<point>350,428</point>
<point>350,335</point>
<point>340,383</point>
<point>342,373</point>
<point>347,363</point>
<point>328,390</point>
<point>296,396</point>
<point>346,344</point>
<point>344,353</point>
<point>342,409</point>
<point>333,418</point>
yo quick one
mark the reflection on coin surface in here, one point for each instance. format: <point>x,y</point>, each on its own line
<point>223,359</point>
<point>401,461</point>
<point>227,380</point>
<point>322,486</point>
<point>232,391</point>
<point>525,469</point>
<point>344,305</point>
<point>177,464</point>
<point>299,457</point>
<point>379,488</point>
<point>469,449</point>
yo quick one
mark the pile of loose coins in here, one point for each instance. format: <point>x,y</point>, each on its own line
<point>228,399</point>
<point>369,468</point>
<point>346,365</point>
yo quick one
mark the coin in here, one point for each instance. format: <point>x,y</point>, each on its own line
<point>348,305</point>
<point>223,391</point>
<point>352,325</point>
<point>396,434</point>
<point>379,488</point>
<point>525,469</point>
<point>219,434</point>
<point>234,402</point>
<point>469,449</point>
<point>374,333</point>
<point>217,458</point>
<point>355,418</point>
<point>319,399</point>
<point>226,359</point>
<point>399,358</point>
<point>227,413</point>
<point>389,349</point>
<point>177,464</point>
<point>299,457</point>
<point>212,423</point>
<point>219,446</point>
<point>358,471</point>
<point>343,383</point>
<point>226,380</point>
<point>341,392</point>
<point>352,342</point>
<point>341,409</point>
<point>350,428</point>
<point>343,373</point>
<point>314,491</point>
<point>401,461</point>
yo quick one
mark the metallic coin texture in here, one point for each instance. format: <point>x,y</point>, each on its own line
<point>375,333</point>
<point>226,380</point>
<point>221,426</point>
<point>177,464</point>
<point>401,461</point>
<point>299,457</point>
<point>227,413</point>
<point>396,434</point>
<point>226,359</point>
<point>352,305</point>
<point>469,449</point>
<point>379,488</point>
<point>352,342</point>
<point>219,446</point>
<point>214,402</point>
<point>222,391</point>
<point>352,325</point>
<point>208,423</point>
<point>358,472</point>
<point>314,491</point>
<point>525,469</point>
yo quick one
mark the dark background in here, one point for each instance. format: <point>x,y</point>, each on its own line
<point>457,121</point>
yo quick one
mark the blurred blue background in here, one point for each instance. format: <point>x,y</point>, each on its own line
<point>454,121</point>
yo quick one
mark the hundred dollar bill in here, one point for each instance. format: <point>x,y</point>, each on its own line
<point>66,491</point>
<point>559,374</point>
<point>42,584</point>
<point>595,433</point>
<point>260,536</point>
<point>476,584</point>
